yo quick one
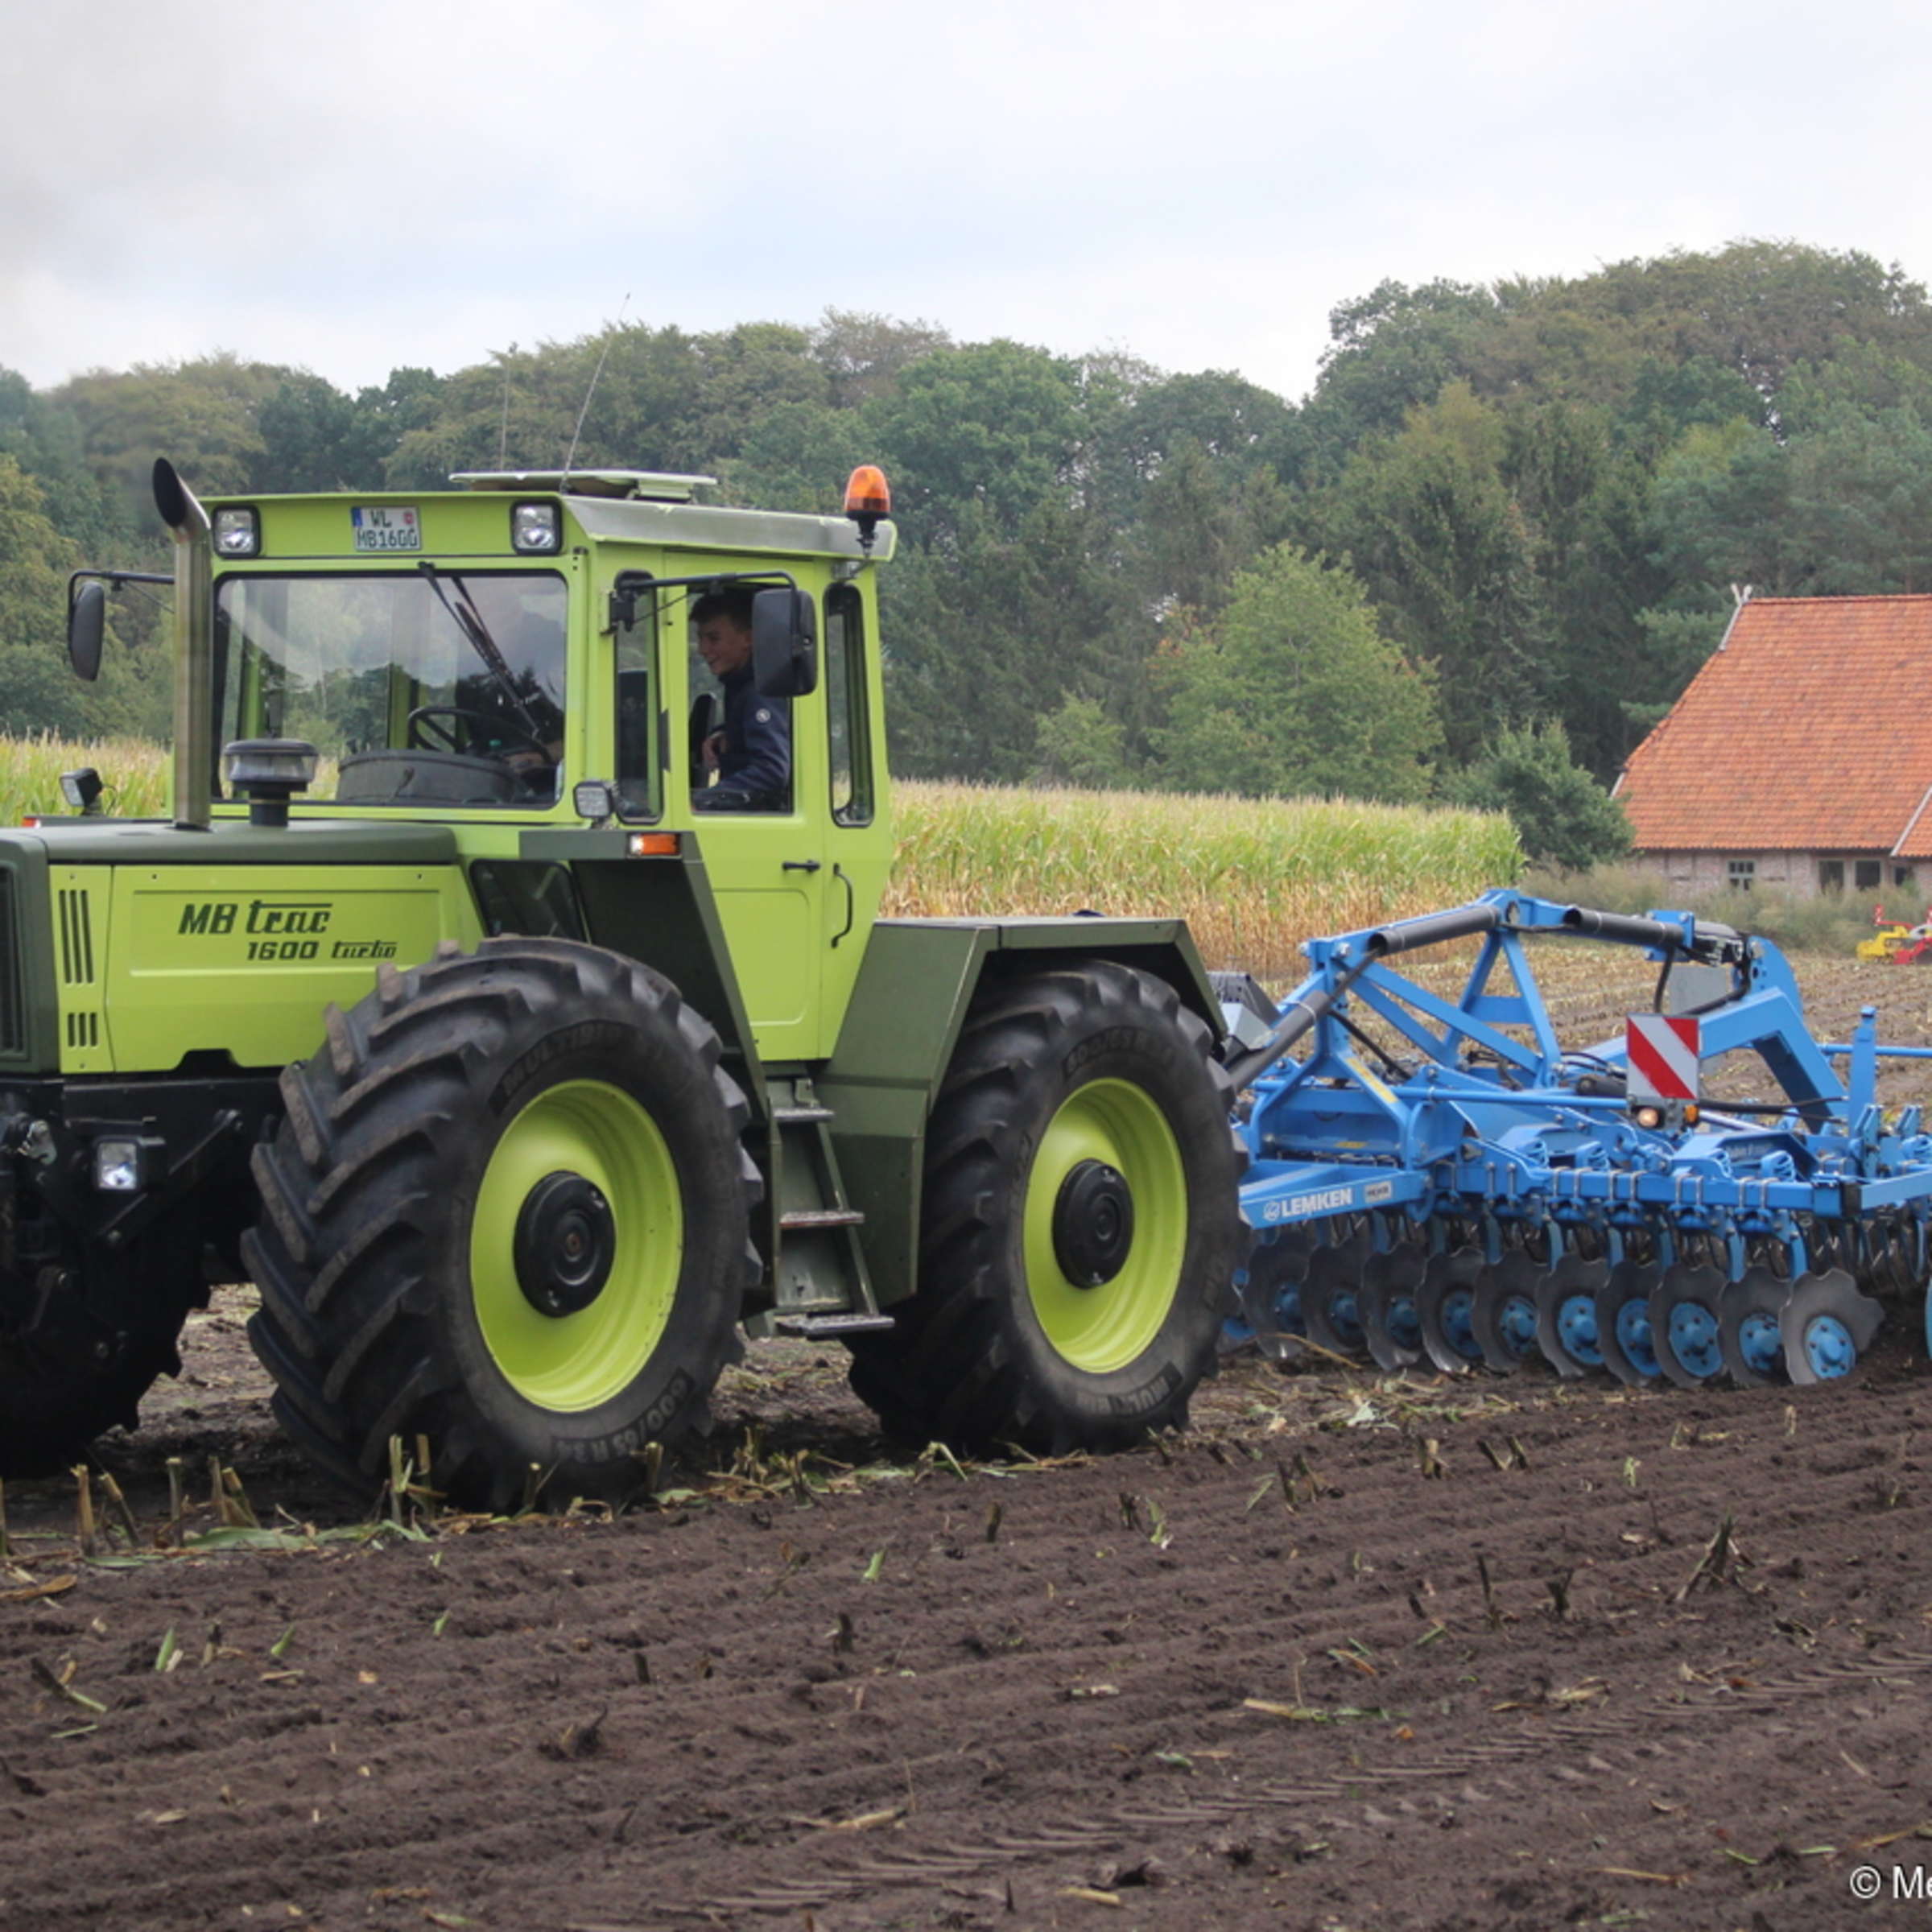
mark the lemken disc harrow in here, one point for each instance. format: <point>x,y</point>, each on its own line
<point>1437,1181</point>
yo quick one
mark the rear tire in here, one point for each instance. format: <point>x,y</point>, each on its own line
<point>508,1209</point>
<point>1081,1224</point>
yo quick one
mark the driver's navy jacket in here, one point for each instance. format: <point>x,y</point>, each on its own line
<point>757,757</point>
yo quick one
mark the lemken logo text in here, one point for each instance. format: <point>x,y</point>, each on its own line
<point>1329,1200</point>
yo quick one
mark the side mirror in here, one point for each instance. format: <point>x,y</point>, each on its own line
<point>86,620</point>
<point>784,643</point>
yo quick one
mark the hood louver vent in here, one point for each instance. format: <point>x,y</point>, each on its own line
<point>76,939</point>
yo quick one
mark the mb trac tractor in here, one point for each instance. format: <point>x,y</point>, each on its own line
<point>521,1066</point>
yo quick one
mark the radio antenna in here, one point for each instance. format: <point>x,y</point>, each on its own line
<point>609,336</point>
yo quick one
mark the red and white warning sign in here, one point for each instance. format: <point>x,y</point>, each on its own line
<point>1663,1053</point>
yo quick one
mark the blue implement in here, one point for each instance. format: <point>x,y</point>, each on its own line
<point>1414,1149</point>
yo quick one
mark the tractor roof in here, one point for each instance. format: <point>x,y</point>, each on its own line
<point>648,485</point>
<point>704,526</point>
<point>659,506</point>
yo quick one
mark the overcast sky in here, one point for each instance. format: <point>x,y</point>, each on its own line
<point>353,184</point>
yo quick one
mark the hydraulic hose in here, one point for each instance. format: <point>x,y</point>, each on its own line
<point>1624,928</point>
<point>1406,935</point>
<point>1297,1020</point>
<point>1431,929</point>
<point>1708,939</point>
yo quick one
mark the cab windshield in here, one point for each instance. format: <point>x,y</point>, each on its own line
<point>444,686</point>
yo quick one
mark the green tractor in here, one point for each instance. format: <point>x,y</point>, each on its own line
<point>521,1065</point>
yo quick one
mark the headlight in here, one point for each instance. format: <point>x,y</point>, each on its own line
<point>117,1167</point>
<point>237,533</point>
<point>535,529</point>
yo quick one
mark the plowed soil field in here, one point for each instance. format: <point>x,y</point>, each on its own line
<point>1355,1651</point>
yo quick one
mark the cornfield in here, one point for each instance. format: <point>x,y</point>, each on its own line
<point>134,772</point>
<point>1252,877</point>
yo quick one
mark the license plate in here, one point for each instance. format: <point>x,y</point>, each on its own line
<point>385,527</point>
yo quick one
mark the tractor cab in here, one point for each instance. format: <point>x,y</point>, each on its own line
<point>521,659</point>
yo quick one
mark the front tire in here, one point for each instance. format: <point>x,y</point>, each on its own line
<point>508,1209</point>
<point>1080,1223</point>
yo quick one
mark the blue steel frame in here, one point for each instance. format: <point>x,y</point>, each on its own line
<point>1495,1126</point>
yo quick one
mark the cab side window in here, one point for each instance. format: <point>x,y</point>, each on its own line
<point>741,739</point>
<point>847,717</point>
<point>640,766</point>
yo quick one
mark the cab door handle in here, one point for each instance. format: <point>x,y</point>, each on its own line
<point>851,903</point>
<point>801,865</point>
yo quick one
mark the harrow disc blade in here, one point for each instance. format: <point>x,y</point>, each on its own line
<point>1332,1293</point>
<point>1504,1315</point>
<point>1445,1310</point>
<point>1894,1266</point>
<point>1271,1311</point>
<point>1623,1322</point>
<point>1827,1245</point>
<point>1826,1325</point>
<point>1749,1332</point>
<point>1566,1315</point>
<point>1687,1334</point>
<point>1387,1306</point>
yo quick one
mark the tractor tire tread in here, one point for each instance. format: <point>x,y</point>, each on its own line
<point>953,1368</point>
<point>349,1327</point>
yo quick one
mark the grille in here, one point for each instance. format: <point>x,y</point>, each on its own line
<point>76,939</point>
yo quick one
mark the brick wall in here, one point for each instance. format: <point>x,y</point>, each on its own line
<point>1796,873</point>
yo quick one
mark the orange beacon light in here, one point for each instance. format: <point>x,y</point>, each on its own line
<point>867,499</point>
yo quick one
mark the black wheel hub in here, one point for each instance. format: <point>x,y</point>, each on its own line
<point>1092,1224</point>
<point>565,1242</point>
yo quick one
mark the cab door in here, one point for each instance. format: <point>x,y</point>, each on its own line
<point>768,870</point>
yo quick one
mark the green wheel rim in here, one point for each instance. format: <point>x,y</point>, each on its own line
<point>1099,1329</point>
<point>574,1362</point>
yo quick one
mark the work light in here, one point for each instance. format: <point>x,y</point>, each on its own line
<point>238,532</point>
<point>535,529</point>
<point>81,789</point>
<point>593,799</point>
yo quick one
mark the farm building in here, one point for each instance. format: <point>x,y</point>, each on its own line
<point>1800,756</point>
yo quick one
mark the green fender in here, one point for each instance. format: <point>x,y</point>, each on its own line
<point>919,979</point>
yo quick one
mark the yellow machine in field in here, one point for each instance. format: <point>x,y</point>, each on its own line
<point>1903,945</point>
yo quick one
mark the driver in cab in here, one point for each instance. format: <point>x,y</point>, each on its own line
<point>748,760</point>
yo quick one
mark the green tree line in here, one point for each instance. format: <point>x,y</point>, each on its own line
<point>1477,561</point>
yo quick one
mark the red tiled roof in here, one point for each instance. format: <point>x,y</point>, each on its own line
<point>1810,731</point>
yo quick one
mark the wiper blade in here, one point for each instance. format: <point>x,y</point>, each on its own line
<point>469,620</point>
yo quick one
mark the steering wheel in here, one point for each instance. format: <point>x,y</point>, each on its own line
<point>433,727</point>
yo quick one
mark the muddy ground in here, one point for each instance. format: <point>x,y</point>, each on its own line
<point>1356,1652</point>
